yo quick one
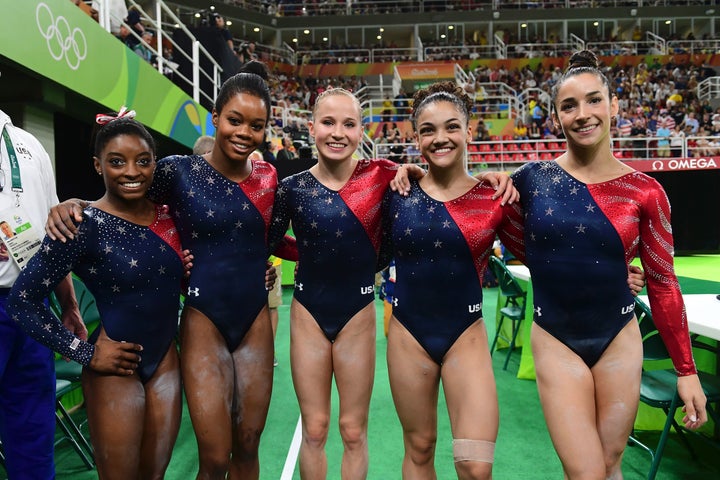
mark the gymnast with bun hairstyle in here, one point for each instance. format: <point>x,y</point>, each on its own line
<point>587,215</point>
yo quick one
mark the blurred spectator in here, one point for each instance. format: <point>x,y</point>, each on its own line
<point>204,144</point>
<point>663,143</point>
<point>692,122</point>
<point>90,10</point>
<point>116,10</point>
<point>218,21</point>
<point>520,132</point>
<point>639,133</point>
<point>401,104</point>
<point>136,26</point>
<point>677,139</point>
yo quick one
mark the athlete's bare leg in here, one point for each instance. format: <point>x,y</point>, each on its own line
<point>414,382</point>
<point>163,407</point>
<point>253,361</point>
<point>311,365</point>
<point>133,426</point>
<point>469,386</point>
<point>587,411</point>
<point>228,416</point>
<point>353,355</point>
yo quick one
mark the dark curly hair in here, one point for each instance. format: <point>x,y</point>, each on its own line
<point>441,91</point>
<point>581,62</point>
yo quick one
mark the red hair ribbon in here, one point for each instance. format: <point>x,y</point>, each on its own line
<point>103,118</point>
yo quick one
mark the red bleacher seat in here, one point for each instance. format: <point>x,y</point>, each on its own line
<point>532,156</point>
<point>525,146</point>
<point>489,158</point>
<point>518,157</point>
<point>546,156</point>
<point>484,147</point>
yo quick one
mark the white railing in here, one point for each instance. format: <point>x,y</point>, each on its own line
<point>383,7</point>
<point>538,50</point>
<point>162,19</point>
<point>709,89</point>
<point>507,153</point>
<point>454,52</point>
<point>624,47</point>
<point>693,46</point>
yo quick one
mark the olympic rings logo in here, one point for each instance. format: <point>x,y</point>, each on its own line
<point>62,41</point>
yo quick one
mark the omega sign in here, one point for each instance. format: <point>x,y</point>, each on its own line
<point>675,164</point>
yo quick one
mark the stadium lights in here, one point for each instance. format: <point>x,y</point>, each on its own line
<point>212,7</point>
<point>228,23</point>
<point>256,29</point>
<point>306,31</point>
<point>451,27</point>
<point>668,22</point>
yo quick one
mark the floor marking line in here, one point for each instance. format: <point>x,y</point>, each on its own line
<point>291,459</point>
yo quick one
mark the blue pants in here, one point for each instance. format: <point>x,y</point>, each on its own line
<point>27,402</point>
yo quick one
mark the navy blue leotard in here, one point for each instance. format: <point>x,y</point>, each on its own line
<point>224,224</point>
<point>338,239</point>
<point>579,241</point>
<point>134,272</point>
<point>441,250</point>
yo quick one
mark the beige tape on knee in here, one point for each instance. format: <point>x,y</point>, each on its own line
<point>465,450</point>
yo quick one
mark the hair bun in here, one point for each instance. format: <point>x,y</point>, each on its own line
<point>258,68</point>
<point>584,58</point>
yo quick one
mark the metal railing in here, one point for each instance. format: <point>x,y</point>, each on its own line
<point>709,89</point>
<point>380,7</point>
<point>163,22</point>
<point>508,153</point>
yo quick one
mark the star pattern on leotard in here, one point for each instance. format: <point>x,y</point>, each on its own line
<point>118,261</point>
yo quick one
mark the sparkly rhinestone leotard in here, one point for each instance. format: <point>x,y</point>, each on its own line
<point>579,241</point>
<point>134,272</point>
<point>338,239</point>
<point>224,224</point>
<point>441,250</point>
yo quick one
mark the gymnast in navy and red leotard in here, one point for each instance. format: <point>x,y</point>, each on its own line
<point>587,216</point>
<point>338,233</point>
<point>587,235</point>
<point>134,273</point>
<point>223,223</point>
<point>458,235</point>
<point>127,252</point>
<point>440,236</point>
<point>222,202</point>
<point>335,212</point>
